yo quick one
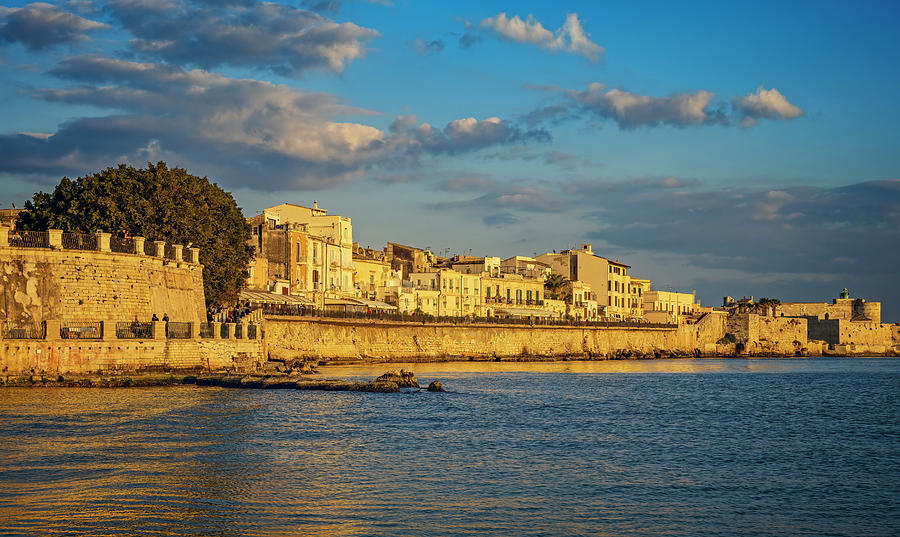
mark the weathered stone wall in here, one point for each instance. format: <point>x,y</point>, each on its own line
<point>827,330</point>
<point>864,333</point>
<point>382,341</point>
<point>769,335</point>
<point>39,284</point>
<point>19,357</point>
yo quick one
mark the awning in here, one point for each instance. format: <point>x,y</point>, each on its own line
<point>375,304</point>
<point>264,297</point>
<point>341,302</point>
<point>522,312</point>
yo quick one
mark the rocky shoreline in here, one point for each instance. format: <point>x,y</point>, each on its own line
<point>390,382</point>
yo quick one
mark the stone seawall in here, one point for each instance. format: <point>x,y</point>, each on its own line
<point>290,338</point>
<point>21,357</point>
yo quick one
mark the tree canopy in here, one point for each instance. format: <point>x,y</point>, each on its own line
<point>160,204</point>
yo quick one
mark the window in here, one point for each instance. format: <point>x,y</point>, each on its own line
<point>371,279</point>
<point>487,292</point>
<point>298,252</point>
<point>315,253</point>
<point>610,285</point>
<point>315,281</point>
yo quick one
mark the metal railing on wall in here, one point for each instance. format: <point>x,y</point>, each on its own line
<point>29,239</point>
<point>36,330</point>
<point>124,245</point>
<point>134,330</point>
<point>206,330</point>
<point>81,330</point>
<point>178,330</point>
<point>79,241</point>
<point>149,248</point>
<point>169,251</point>
<point>293,310</point>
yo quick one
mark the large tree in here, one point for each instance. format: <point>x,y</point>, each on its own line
<point>160,204</point>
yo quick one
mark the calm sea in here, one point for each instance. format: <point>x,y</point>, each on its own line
<point>681,447</point>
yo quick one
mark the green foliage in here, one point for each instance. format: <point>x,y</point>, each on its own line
<point>553,284</point>
<point>157,203</point>
<point>727,339</point>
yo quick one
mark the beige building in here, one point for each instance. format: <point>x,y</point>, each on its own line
<point>513,295</point>
<point>580,302</point>
<point>608,279</point>
<point>637,287</point>
<point>669,306</point>
<point>302,251</point>
<point>476,265</point>
<point>527,267</point>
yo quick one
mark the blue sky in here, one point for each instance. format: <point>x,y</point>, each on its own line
<point>723,148</point>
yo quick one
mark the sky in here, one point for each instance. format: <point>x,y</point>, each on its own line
<point>723,148</point>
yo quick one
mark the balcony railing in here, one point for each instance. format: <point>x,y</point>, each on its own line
<point>36,330</point>
<point>79,241</point>
<point>123,245</point>
<point>29,239</point>
<point>206,330</point>
<point>134,330</point>
<point>178,330</point>
<point>81,330</point>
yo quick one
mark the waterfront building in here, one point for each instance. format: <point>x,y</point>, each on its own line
<point>476,265</point>
<point>635,301</point>
<point>525,266</point>
<point>669,306</point>
<point>513,295</point>
<point>302,251</point>
<point>607,278</point>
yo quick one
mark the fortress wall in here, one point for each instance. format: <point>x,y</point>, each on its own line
<point>864,333</point>
<point>39,284</point>
<point>19,357</point>
<point>827,330</point>
<point>304,338</point>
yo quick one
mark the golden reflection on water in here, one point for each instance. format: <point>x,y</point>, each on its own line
<point>577,366</point>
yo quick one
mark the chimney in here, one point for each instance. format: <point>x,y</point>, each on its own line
<point>315,205</point>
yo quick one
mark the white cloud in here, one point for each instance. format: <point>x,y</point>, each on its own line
<point>265,35</point>
<point>769,104</point>
<point>631,110</point>
<point>248,131</point>
<point>571,37</point>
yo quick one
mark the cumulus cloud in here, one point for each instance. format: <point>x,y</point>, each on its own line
<point>462,135</point>
<point>571,37</point>
<point>769,104</point>
<point>39,26</point>
<point>246,33</point>
<point>631,110</point>
<point>241,129</point>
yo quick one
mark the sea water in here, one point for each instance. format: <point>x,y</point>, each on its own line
<point>667,447</point>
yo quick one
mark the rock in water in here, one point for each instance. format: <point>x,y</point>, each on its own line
<point>404,379</point>
<point>435,386</point>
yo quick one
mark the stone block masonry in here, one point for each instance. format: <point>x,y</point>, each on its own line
<point>38,284</point>
<point>54,355</point>
<point>384,341</point>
